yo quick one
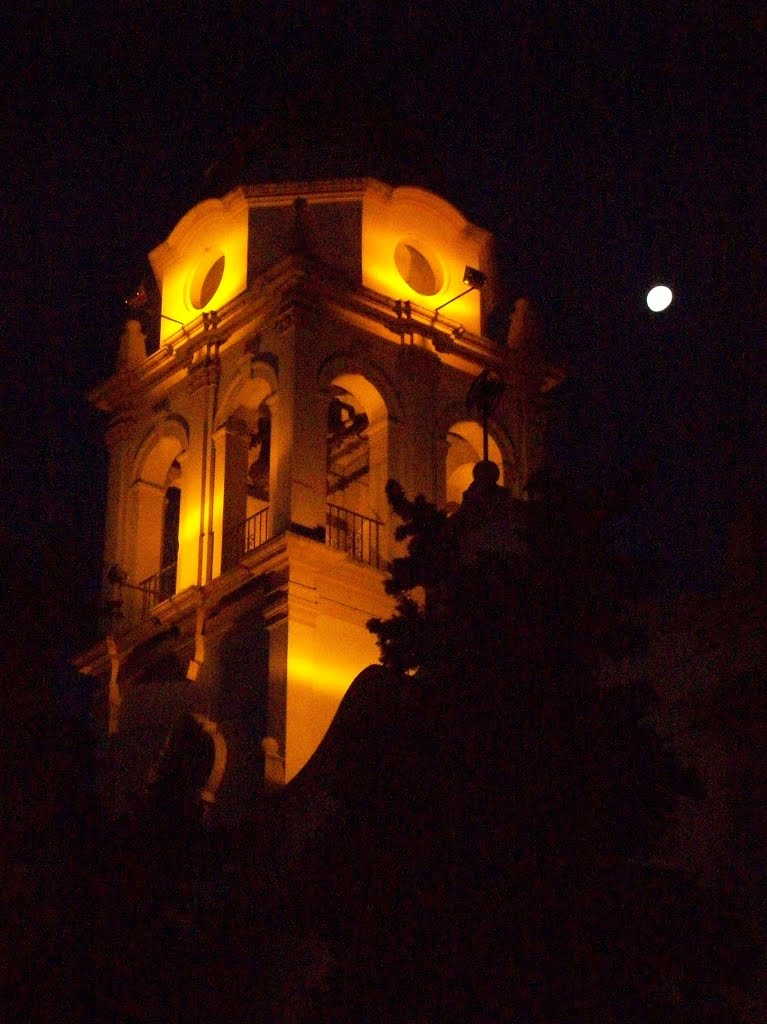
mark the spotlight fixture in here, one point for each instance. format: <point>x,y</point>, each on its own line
<point>473,278</point>
<point>119,578</point>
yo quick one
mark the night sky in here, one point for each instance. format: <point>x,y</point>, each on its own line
<point>606,153</point>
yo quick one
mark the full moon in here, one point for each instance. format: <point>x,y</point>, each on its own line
<point>659,297</point>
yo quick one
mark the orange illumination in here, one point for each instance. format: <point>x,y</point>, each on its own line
<point>188,538</point>
<point>189,527</point>
<point>415,247</point>
<point>330,676</point>
<point>316,686</point>
<point>204,262</point>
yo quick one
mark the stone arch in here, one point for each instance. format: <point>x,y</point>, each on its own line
<point>464,448</point>
<point>255,382</point>
<point>344,363</point>
<point>216,777</point>
<point>358,456</point>
<point>167,439</point>
<point>157,497</point>
<point>189,766</point>
<point>245,467</point>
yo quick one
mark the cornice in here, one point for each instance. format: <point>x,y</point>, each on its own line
<point>180,351</point>
<point>349,189</point>
<point>298,282</point>
<point>289,568</point>
<point>403,322</point>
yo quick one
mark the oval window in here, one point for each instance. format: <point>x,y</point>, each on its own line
<point>416,270</point>
<point>207,279</point>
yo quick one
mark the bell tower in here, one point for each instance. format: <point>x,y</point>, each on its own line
<point>297,346</point>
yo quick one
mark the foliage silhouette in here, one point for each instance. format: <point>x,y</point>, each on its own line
<point>496,855</point>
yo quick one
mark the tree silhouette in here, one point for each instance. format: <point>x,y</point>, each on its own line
<point>495,856</point>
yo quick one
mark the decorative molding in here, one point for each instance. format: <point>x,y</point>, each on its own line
<point>118,431</point>
<point>213,783</point>
<point>291,603</point>
<point>205,373</point>
<point>254,343</point>
<point>198,658</point>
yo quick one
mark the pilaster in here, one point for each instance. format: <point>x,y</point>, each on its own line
<point>117,438</point>
<point>309,460</point>
<point>291,619</point>
<point>196,535</point>
<point>279,338</point>
<point>230,491</point>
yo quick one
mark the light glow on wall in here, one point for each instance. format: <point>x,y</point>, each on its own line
<point>330,675</point>
<point>188,541</point>
<point>320,670</point>
<point>204,262</point>
<point>413,239</point>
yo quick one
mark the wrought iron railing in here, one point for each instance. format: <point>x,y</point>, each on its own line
<point>357,535</point>
<point>157,588</point>
<point>254,531</point>
<point>246,536</point>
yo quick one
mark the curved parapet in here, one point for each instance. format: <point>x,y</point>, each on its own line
<point>203,263</point>
<point>417,246</point>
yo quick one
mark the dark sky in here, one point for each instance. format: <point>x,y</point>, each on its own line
<point>605,151</point>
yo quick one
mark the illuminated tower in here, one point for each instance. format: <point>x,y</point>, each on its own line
<point>299,345</point>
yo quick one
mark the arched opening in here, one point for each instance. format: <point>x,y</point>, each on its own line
<point>183,783</point>
<point>158,493</point>
<point>259,451</point>
<point>171,520</point>
<point>254,527</point>
<point>464,451</point>
<point>245,445</point>
<point>356,468</point>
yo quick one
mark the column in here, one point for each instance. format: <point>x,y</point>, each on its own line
<point>230,493</point>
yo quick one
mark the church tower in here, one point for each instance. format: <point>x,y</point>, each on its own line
<point>297,345</point>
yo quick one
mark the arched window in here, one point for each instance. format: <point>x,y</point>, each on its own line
<point>244,453</point>
<point>171,520</point>
<point>464,451</point>
<point>348,451</point>
<point>157,511</point>
<point>356,468</point>
<point>252,526</point>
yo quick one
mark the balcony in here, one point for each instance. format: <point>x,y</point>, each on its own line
<point>156,588</point>
<point>254,531</point>
<point>247,536</point>
<point>357,535</point>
